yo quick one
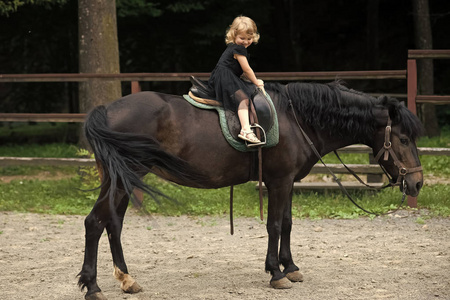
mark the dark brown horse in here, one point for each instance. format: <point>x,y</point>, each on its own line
<point>165,135</point>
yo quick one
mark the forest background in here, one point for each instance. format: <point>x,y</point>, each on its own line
<point>41,36</point>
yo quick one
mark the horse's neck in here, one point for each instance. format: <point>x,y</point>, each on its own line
<point>328,143</point>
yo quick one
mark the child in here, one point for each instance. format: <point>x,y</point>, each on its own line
<point>225,79</point>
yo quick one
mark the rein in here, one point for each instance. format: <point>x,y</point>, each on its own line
<point>386,150</point>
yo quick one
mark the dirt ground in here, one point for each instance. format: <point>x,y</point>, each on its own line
<point>396,257</point>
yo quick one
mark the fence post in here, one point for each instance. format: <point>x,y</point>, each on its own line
<point>135,87</point>
<point>412,93</point>
<point>412,85</point>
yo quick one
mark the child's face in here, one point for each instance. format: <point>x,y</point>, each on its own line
<point>243,39</point>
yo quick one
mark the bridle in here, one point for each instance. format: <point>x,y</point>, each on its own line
<point>385,151</point>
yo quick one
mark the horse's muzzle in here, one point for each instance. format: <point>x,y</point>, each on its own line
<point>411,185</point>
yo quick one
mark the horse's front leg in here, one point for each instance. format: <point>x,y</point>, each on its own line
<point>278,201</point>
<point>290,269</point>
<point>114,229</point>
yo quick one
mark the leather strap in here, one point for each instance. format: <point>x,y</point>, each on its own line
<point>253,119</point>
<point>387,149</point>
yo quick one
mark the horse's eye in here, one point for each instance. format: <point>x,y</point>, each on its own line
<point>404,141</point>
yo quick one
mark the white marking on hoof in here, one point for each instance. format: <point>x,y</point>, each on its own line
<point>295,276</point>
<point>282,283</point>
<point>127,283</point>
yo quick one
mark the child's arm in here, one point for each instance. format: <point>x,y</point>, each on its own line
<point>248,71</point>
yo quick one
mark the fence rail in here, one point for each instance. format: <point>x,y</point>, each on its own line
<point>337,168</point>
<point>413,97</point>
<point>136,77</point>
<point>80,77</point>
<point>7,117</point>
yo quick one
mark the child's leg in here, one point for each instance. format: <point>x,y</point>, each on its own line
<point>246,132</point>
<point>243,115</point>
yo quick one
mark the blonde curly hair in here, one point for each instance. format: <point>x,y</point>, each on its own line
<point>242,25</point>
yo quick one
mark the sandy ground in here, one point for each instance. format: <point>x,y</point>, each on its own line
<point>396,257</point>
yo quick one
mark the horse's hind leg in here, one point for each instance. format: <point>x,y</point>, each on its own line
<point>114,229</point>
<point>94,225</point>
<point>290,269</point>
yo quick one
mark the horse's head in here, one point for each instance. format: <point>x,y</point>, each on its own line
<point>394,145</point>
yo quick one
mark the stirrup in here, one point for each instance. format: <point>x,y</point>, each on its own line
<point>248,136</point>
<point>263,139</point>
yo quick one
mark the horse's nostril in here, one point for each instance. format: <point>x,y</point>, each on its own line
<point>419,185</point>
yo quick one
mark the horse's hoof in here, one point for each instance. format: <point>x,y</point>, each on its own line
<point>295,276</point>
<point>133,289</point>
<point>282,283</point>
<point>127,283</point>
<point>95,296</point>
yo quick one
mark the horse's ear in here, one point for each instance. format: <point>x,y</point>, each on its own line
<point>381,115</point>
<point>392,105</point>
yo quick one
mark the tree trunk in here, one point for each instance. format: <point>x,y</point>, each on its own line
<point>98,53</point>
<point>424,40</point>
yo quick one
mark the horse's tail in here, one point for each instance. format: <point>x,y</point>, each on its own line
<point>126,157</point>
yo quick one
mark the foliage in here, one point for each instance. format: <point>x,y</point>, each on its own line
<point>37,39</point>
<point>10,6</point>
<point>88,176</point>
<point>442,141</point>
<point>134,8</point>
<point>41,36</point>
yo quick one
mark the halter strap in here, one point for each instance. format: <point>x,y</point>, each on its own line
<point>387,149</point>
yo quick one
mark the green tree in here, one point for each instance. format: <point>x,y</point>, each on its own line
<point>10,6</point>
<point>39,39</point>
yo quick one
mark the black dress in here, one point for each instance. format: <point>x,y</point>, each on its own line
<point>225,79</point>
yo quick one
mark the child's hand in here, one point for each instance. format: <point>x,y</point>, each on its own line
<point>261,85</point>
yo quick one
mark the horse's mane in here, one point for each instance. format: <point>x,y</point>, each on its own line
<point>341,110</point>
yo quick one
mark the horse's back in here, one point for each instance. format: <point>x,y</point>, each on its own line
<point>143,112</point>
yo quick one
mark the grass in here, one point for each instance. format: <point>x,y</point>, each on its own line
<point>65,197</point>
<point>58,150</point>
<point>442,141</point>
<point>314,205</point>
<point>46,196</point>
<point>20,132</point>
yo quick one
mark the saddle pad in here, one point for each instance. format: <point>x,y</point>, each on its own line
<point>272,135</point>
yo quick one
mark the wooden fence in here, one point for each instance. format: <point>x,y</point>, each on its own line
<point>410,74</point>
<point>413,97</point>
<point>365,169</point>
